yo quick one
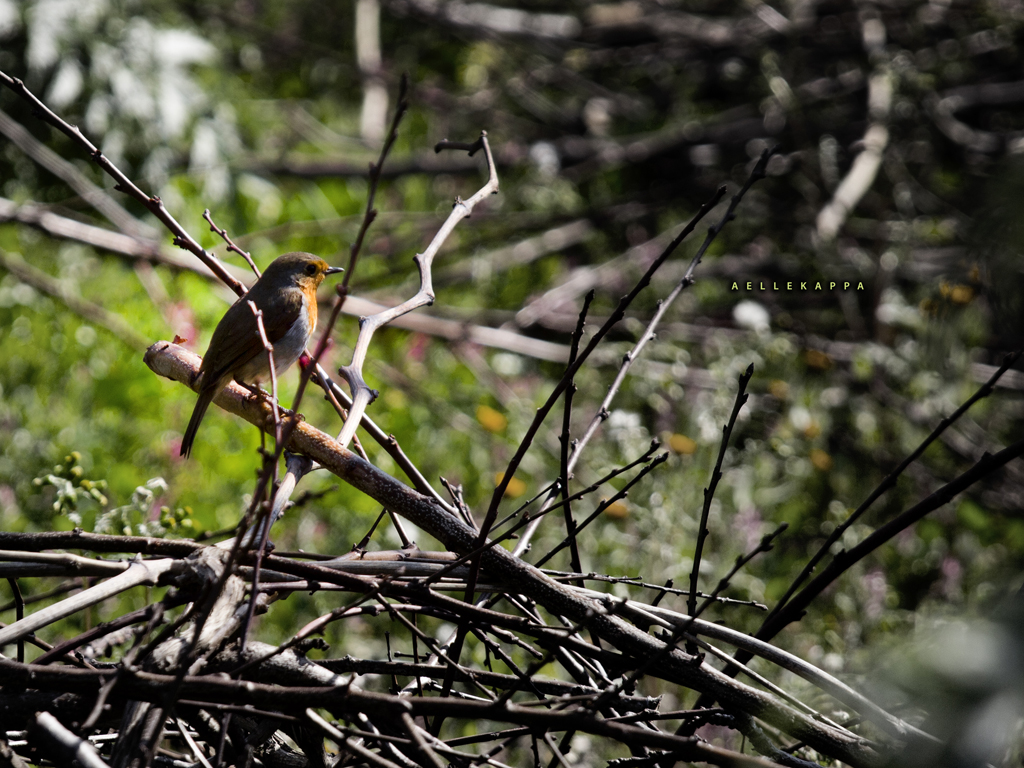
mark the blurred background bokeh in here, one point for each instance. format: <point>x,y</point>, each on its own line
<point>901,140</point>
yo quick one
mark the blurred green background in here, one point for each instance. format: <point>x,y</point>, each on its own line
<point>611,124</point>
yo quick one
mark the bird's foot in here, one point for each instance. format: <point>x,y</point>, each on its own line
<point>287,414</point>
<point>290,415</point>
<point>255,390</point>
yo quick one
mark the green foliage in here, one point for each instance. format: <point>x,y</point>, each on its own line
<point>132,519</point>
<point>834,408</point>
<point>72,488</point>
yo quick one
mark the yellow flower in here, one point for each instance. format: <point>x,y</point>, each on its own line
<point>617,510</point>
<point>682,444</point>
<point>490,419</point>
<point>515,487</point>
<point>821,460</point>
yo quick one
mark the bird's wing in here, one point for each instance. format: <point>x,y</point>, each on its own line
<point>237,340</point>
<point>282,314</point>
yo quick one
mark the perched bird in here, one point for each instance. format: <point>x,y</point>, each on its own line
<point>286,293</point>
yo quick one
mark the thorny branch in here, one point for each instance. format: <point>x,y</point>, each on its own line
<point>362,394</point>
<point>502,565</point>
<point>709,492</point>
<point>780,615</point>
<point>233,718</point>
<point>123,184</point>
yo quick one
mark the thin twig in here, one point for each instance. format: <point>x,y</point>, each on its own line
<point>890,480</point>
<point>143,614</point>
<point>660,459</point>
<point>709,492</point>
<point>565,437</point>
<point>123,184</point>
<point>765,545</point>
<point>374,179</point>
<point>19,614</point>
<point>845,559</point>
<point>453,666</point>
<point>529,519</point>
<point>362,395</point>
<point>613,319</point>
<point>269,349</point>
<point>231,243</point>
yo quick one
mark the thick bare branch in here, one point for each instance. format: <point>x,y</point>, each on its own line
<point>179,364</point>
<point>140,572</point>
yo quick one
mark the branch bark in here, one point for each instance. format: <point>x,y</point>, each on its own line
<point>169,360</point>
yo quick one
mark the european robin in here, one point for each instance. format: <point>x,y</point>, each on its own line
<point>286,293</point>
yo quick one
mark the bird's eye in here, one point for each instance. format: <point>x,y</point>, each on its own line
<point>311,269</point>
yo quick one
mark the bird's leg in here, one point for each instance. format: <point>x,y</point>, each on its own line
<point>255,390</point>
<point>258,393</point>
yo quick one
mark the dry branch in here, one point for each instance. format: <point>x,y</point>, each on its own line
<point>176,363</point>
<point>362,395</point>
<point>140,572</point>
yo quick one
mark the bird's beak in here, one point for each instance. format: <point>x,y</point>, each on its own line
<point>333,270</point>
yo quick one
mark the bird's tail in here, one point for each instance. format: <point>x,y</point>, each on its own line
<point>205,398</point>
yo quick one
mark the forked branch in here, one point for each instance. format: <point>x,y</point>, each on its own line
<point>362,394</point>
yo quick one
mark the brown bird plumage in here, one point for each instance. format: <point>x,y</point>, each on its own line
<point>286,293</point>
